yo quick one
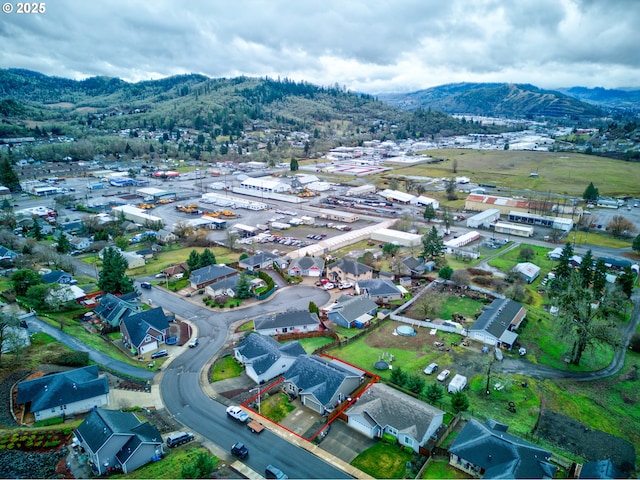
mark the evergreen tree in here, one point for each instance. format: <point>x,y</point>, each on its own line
<point>243,289</point>
<point>434,393</point>
<point>112,278</point>
<point>432,244</point>
<point>563,270</point>
<point>459,401</point>
<point>429,213</point>
<point>599,278</point>
<point>398,376</point>
<point>626,281</point>
<point>446,272</point>
<point>636,244</point>
<point>193,261</point>
<point>37,230</point>
<point>313,308</point>
<point>8,177</point>
<point>415,384</point>
<point>586,269</point>
<point>591,193</point>
<point>207,258</point>
<point>64,246</point>
<point>293,165</point>
<point>200,467</point>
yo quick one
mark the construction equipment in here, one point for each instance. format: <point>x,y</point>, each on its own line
<point>306,193</point>
<point>227,213</point>
<point>146,206</point>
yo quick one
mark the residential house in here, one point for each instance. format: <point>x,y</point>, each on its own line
<point>65,393</point>
<point>264,358</point>
<point>306,267</point>
<point>413,266</point>
<point>379,290</point>
<point>527,270</point>
<point>7,255</point>
<point>146,253</point>
<point>226,286</point>
<point>486,450</point>
<point>383,409</point>
<point>291,321</point>
<point>259,260</point>
<point>204,276</point>
<point>175,269</point>
<point>64,294</point>
<point>145,331</point>
<point>346,270</point>
<point>57,276</point>
<point>112,309</point>
<point>321,383</point>
<point>599,469</point>
<point>498,323</point>
<point>165,236</point>
<point>134,260</point>
<point>115,440</point>
<point>352,312</point>
<point>72,228</point>
<point>80,243</point>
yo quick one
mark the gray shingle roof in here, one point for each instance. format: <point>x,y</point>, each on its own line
<point>497,317</point>
<point>139,324</point>
<point>313,375</point>
<point>351,266</point>
<point>62,388</point>
<point>112,309</point>
<point>305,263</point>
<point>379,286</point>
<point>500,454</point>
<point>259,258</point>
<point>387,406</point>
<point>291,318</point>
<point>210,273</point>
<point>263,351</point>
<point>354,307</point>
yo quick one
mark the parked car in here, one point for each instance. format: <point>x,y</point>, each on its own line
<point>178,276</point>
<point>239,450</point>
<point>329,286</point>
<point>145,285</point>
<point>274,472</point>
<point>179,438</point>
<point>432,367</point>
<point>345,285</point>
<point>160,354</point>
<point>443,375</point>
<point>194,343</point>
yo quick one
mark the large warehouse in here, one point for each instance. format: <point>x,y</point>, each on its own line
<point>483,219</point>
<point>136,214</point>
<point>397,237</point>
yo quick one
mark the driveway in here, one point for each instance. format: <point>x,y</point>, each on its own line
<point>344,442</point>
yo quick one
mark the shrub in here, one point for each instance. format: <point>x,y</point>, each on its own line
<point>388,438</point>
<point>484,281</point>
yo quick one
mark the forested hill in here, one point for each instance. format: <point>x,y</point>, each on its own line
<point>494,99</point>
<point>196,101</point>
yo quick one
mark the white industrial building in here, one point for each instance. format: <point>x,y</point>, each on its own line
<point>404,239</point>
<point>361,190</point>
<point>337,215</point>
<point>399,197</point>
<point>230,201</point>
<point>557,223</point>
<point>265,184</point>
<point>136,214</point>
<point>484,219</point>
<point>424,201</point>
<point>513,229</point>
<point>461,241</point>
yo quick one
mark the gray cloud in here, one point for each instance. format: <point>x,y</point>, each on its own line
<point>368,46</point>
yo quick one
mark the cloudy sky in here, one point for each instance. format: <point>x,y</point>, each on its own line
<point>370,46</point>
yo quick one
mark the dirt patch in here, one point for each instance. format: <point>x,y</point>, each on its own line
<point>575,437</point>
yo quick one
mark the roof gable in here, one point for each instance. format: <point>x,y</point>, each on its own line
<point>351,266</point>
<point>210,273</point>
<point>262,351</point>
<point>497,317</point>
<point>379,286</point>
<point>290,318</point>
<point>353,307</point>
<point>139,324</point>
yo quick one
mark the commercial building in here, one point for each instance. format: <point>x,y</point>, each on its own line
<point>398,197</point>
<point>513,229</point>
<point>136,214</point>
<point>461,241</point>
<point>557,223</point>
<point>484,219</point>
<point>346,217</point>
<point>404,239</point>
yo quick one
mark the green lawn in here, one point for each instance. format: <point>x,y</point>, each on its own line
<point>383,461</point>
<point>441,469</point>
<point>597,238</point>
<point>226,367</point>
<point>276,407</point>
<point>507,260</point>
<point>170,466</point>
<point>464,306</point>
<point>311,344</point>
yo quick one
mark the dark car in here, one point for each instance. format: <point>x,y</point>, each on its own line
<point>239,450</point>
<point>160,353</point>
<point>145,285</point>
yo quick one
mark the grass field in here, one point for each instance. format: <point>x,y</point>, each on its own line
<point>383,461</point>
<point>311,344</point>
<point>171,465</point>
<point>226,367</point>
<point>557,172</point>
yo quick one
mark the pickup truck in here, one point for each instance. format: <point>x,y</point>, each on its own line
<point>237,414</point>
<point>255,426</point>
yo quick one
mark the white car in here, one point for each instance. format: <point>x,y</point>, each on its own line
<point>329,286</point>
<point>178,276</point>
<point>345,285</point>
<point>443,375</point>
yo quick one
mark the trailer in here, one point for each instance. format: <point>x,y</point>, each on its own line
<point>255,426</point>
<point>457,383</point>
